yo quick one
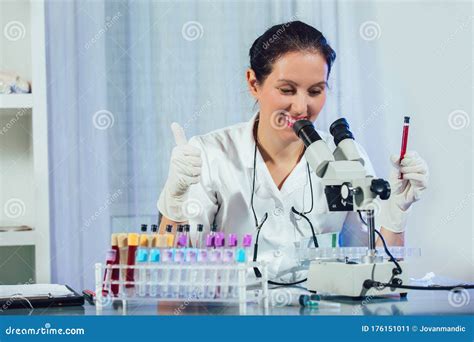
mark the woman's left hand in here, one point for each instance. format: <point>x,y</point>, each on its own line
<point>404,192</point>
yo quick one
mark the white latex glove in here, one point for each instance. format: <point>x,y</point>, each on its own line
<point>184,171</point>
<point>404,192</point>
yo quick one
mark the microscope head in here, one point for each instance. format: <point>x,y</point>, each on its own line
<point>346,148</point>
<point>347,185</point>
<point>317,152</point>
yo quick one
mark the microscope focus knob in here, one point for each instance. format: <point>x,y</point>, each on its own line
<point>381,187</point>
<point>346,190</point>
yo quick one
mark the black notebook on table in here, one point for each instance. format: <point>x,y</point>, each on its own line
<point>38,296</point>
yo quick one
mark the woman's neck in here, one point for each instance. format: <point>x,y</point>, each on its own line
<point>275,151</point>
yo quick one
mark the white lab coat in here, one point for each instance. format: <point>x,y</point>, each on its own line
<point>224,195</point>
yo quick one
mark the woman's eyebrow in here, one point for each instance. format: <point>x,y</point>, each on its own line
<point>288,81</point>
<point>320,83</point>
<point>294,83</point>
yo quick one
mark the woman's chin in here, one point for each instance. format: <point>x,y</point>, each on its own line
<point>287,134</point>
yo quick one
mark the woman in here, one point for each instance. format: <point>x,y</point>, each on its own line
<point>240,175</point>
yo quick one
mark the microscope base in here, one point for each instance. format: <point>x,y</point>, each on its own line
<point>343,279</point>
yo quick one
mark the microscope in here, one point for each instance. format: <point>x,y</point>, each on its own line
<point>348,187</point>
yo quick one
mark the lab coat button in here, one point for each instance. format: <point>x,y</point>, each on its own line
<point>278,211</point>
<point>277,253</point>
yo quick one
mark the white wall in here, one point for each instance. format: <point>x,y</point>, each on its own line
<point>425,62</point>
<point>15,52</point>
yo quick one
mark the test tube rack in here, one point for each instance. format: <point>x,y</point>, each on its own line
<point>207,283</point>
<point>306,253</point>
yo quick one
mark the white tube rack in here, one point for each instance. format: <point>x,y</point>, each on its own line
<point>230,283</point>
<point>307,254</point>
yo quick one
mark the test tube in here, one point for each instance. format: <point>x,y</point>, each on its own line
<point>198,242</point>
<point>167,238</point>
<point>153,236</point>
<point>213,230</point>
<point>215,259</point>
<point>166,260</point>
<point>229,259</point>
<point>110,260</point>
<point>142,259</point>
<point>210,272</point>
<point>187,232</point>
<point>144,236</point>
<point>133,240</point>
<point>210,238</point>
<point>170,235</point>
<point>181,241</point>
<point>155,273</point>
<point>178,260</point>
<point>243,254</point>
<point>201,275</point>
<point>179,232</point>
<point>115,274</point>
<point>122,242</point>
<point>192,274</point>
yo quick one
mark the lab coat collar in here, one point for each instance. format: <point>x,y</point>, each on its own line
<point>248,142</point>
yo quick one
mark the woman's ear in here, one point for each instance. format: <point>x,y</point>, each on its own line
<point>252,83</point>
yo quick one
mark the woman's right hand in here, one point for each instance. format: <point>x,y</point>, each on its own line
<point>184,171</point>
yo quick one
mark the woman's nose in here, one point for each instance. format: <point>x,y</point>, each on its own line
<point>300,105</point>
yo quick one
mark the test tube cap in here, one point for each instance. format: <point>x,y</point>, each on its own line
<point>200,227</point>
<point>114,239</point>
<point>182,240</point>
<point>178,255</point>
<point>303,300</point>
<point>122,240</point>
<point>228,256</point>
<point>170,240</point>
<point>247,240</point>
<point>169,228</point>
<point>209,240</point>
<point>232,240</point>
<point>215,255</point>
<point>111,255</point>
<point>144,227</point>
<point>219,239</point>
<point>132,239</point>
<point>180,228</point>
<point>202,256</point>
<point>214,228</point>
<point>187,227</point>
<point>191,255</point>
<point>142,255</point>
<point>155,255</point>
<point>154,228</point>
<point>143,240</point>
<point>241,256</point>
<point>167,255</point>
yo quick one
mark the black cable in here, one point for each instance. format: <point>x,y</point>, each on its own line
<point>271,282</point>
<point>257,272</point>
<point>253,185</point>
<point>397,270</point>
<point>315,240</point>
<point>396,282</point>
<point>259,226</point>
<point>372,283</point>
<point>392,259</point>
<point>303,214</point>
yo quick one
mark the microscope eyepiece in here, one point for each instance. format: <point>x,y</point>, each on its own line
<point>304,129</point>
<point>340,131</point>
